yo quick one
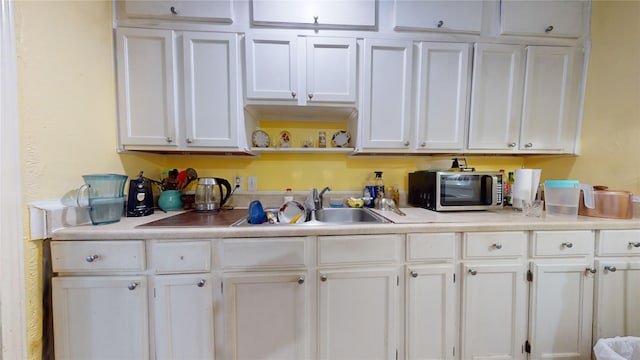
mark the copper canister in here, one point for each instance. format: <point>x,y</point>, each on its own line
<point>608,204</point>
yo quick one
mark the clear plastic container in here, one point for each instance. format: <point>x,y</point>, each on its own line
<point>562,197</point>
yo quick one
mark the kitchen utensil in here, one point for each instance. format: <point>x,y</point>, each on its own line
<point>105,198</point>
<point>206,197</point>
<point>170,200</point>
<point>140,201</point>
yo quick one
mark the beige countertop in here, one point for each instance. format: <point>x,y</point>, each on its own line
<point>416,220</point>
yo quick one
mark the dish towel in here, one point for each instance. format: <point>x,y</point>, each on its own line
<point>618,348</point>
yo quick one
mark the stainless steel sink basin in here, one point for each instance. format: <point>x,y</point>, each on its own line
<point>348,216</point>
<point>331,216</point>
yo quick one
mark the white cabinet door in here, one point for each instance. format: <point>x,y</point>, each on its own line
<point>496,99</point>
<point>564,18</point>
<point>210,10</point>
<point>463,16</point>
<point>442,94</point>
<point>385,111</point>
<point>357,313</point>
<point>561,310</point>
<point>617,293</point>
<point>211,96</point>
<point>550,104</point>
<point>494,311</point>
<point>331,69</point>
<point>271,67</point>
<point>183,316</point>
<point>315,13</point>
<point>430,312</point>
<point>266,315</point>
<point>100,317</point>
<point>146,87</point>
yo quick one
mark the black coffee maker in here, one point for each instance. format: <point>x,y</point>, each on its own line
<point>140,202</point>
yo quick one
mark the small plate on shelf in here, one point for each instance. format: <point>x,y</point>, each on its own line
<point>341,139</point>
<point>260,139</point>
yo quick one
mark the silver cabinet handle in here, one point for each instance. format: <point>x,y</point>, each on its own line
<point>133,285</point>
<point>528,145</point>
<point>315,20</point>
<point>440,23</point>
<point>301,279</point>
<point>201,282</point>
<point>610,268</point>
<point>414,274</point>
<point>549,29</point>
<point>173,10</point>
<point>473,272</point>
<point>310,96</point>
<point>323,277</point>
<point>169,139</point>
<point>592,270</point>
<point>567,244</point>
<point>91,258</point>
<point>512,145</point>
<point>498,246</point>
<point>424,143</point>
<point>189,141</point>
<point>293,94</point>
<point>407,143</point>
<point>634,243</point>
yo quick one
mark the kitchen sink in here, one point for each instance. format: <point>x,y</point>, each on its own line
<point>330,216</point>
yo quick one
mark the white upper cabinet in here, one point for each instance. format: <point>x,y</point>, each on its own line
<point>212,98</point>
<point>525,100</point>
<point>496,101</point>
<point>385,108</point>
<point>442,94</point>
<point>146,87</point>
<point>219,11</point>
<point>299,70</point>
<point>356,14</point>
<point>564,18</point>
<point>463,16</point>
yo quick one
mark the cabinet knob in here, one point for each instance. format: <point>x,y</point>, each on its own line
<point>407,143</point>
<point>301,279</point>
<point>528,145</point>
<point>512,144</point>
<point>440,23</point>
<point>610,268</point>
<point>173,10</point>
<point>201,282</point>
<point>549,29</point>
<point>315,20</point>
<point>310,96</point>
<point>498,246</point>
<point>567,244</point>
<point>423,144</point>
<point>634,243</point>
<point>133,285</point>
<point>591,270</point>
<point>473,272</point>
<point>323,277</point>
<point>169,139</point>
<point>414,274</point>
<point>91,258</point>
<point>189,141</point>
<point>293,94</point>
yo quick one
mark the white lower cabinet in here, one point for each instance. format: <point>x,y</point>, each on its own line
<point>617,284</point>
<point>266,315</point>
<point>493,297</point>
<point>561,301</point>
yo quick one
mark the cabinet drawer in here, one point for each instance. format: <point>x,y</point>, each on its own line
<point>264,253</point>
<point>619,243</point>
<point>431,246</point>
<point>494,244</point>
<point>358,249</point>
<point>97,256</point>
<point>169,257</point>
<point>563,243</point>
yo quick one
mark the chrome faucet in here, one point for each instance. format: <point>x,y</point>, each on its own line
<point>317,197</point>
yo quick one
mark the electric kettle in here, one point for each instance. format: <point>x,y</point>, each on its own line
<point>206,197</point>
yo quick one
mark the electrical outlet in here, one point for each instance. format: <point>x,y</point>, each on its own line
<point>238,182</point>
<point>252,183</point>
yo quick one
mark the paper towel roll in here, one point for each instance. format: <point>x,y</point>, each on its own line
<point>525,186</point>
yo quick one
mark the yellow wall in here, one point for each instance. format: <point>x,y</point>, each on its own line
<point>67,115</point>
